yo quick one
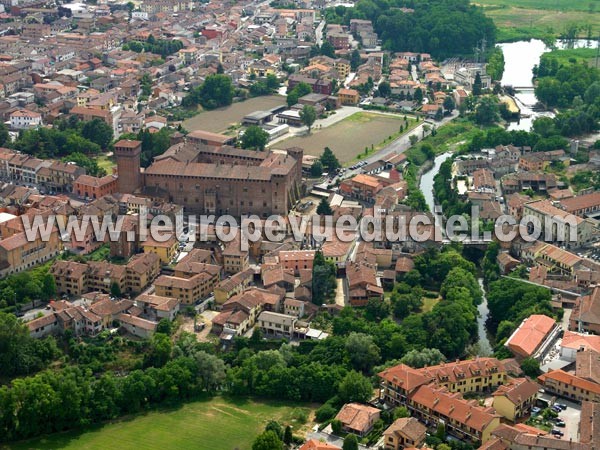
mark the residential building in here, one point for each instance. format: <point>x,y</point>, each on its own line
<point>89,187</point>
<point>358,419</point>
<point>314,444</point>
<point>23,119</point>
<point>235,259</point>
<point>570,386</point>
<point>276,324</point>
<point>514,400</point>
<point>165,249</point>
<point>348,96</point>
<point>232,286</point>
<point>585,317</point>
<point>137,326</point>
<point>155,307</point>
<point>406,432</point>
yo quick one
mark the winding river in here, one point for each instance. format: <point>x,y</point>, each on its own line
<point>519,60</point>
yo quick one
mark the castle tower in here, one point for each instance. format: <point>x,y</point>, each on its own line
<point>127,153</point>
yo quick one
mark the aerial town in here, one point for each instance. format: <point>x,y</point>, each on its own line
<point>233,225</point>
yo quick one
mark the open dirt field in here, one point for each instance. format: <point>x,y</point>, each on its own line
<point>348,137</point>
<point>220,119</point>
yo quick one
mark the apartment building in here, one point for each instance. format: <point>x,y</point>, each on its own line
<point>276,324</point>
<point>514,400</point>
<point>570,386</point>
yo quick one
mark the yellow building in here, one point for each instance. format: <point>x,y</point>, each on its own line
<point>166,251</point>
<point>515,399</point>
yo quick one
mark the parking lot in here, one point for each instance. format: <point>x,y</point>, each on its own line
<point>570,416</point>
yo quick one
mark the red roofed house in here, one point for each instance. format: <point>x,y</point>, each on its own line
<point>531,335</point>
<point>363,187</point>
<point>313,444</point>
<point>515,399</point>
<point>358,419</point>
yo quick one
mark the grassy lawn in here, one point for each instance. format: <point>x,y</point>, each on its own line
<point>350,136</point>
<point>429,303</point>
<point>106,163</point>
<point>215,424</point>
<point>557,5</point>
<point>524,19</point>
<point>579,54</point>
<point>446,138</point>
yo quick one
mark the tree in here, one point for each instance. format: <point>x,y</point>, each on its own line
<point>216,91</point>
<point>327,49</point>
<point>4,136</point>
<point>254,138</point>
<point>329,160</point>
<point>355,387</point>
<point>308,115</point>
<point>115,290</point>
<point>362,351</point>
<point>300,90</point>
<point>323,282</point>
<point>355,60</point>
<point>324,209</point>
<point>267,440</point>
<point>336,427</point>
<point>401,412</point>
<point>439,115</point>
<point>288,437</point>
<point>418,96</point>
<point>316,169</point>
<point>97,131</point>
<point>164,326</point>
<point>413,138</point>
<point>275,427</point>
<point>531,367</point>
<point>272,81</point>
<point>384,89</point>
<point>423,358</point>
<point>449,104</point>
<point>477,87</point>
<point>486,112</point>
<point>159,352</point>
<point>350,442</point>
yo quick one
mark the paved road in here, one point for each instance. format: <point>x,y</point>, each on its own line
<point>319,33</point>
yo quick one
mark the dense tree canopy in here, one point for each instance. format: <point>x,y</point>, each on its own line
<point>216,91</point>
<point>254,138</point>
<point>441,28</point>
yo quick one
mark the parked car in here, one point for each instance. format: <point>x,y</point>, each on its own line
<point>557,432</point>
<point>561,406</point>
<point>535,410</point>
<point>560,423</point>
<point>556,408</point>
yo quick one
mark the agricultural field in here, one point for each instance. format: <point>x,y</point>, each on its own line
<point>220,119</point>
<point>348,137</point>
<point>216,424</point>
<point>523,19</point>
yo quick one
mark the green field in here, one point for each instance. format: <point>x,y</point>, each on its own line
<point>106,163</point>
<point>523,19</point>
<point>350,136</point>
<point>557,5</point>
<point>579,54</point>
<point>215,424</point>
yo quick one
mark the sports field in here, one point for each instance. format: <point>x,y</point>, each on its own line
<point>218,120</point>
<point>350,136</point>
<point>215,424</point>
